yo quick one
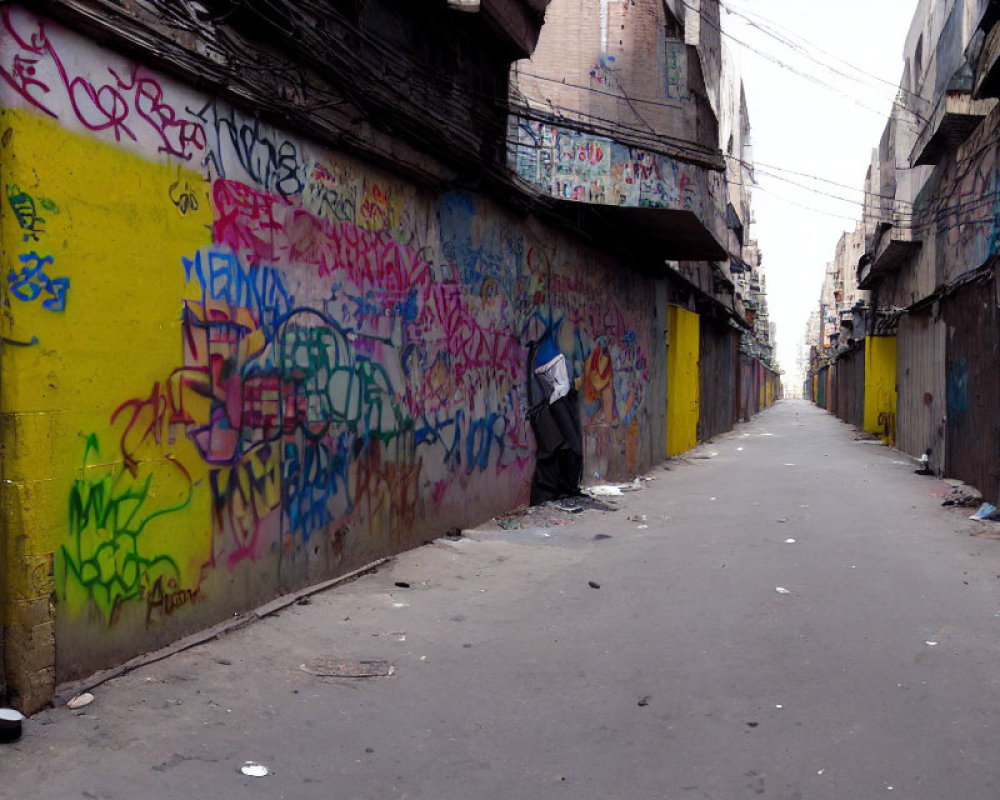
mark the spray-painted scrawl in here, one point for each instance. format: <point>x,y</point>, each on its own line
<point>262,362</point>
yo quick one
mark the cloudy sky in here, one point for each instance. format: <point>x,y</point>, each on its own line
<point>824,125</point>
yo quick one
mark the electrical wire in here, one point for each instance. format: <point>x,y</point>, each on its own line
<point>808,48</point>
<point>799,73</point>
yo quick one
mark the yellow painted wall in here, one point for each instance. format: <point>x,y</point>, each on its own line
<point>92,318</point>
<point>880,386</point>
<point>683,401</point>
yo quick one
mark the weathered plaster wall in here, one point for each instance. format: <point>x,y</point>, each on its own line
<point>616,63</point>
<point>235,362</point>
<point>957,219</point>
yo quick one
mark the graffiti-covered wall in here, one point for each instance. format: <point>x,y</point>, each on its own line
<point>235,362</point>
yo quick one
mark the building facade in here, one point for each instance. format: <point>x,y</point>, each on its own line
<point>273,294</point>
<point>637,112</point>
<point>931,241</point>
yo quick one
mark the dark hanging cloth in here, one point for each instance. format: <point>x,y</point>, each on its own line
<point>558,434</point>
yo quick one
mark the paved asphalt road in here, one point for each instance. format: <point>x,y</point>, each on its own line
<point>686,674</point>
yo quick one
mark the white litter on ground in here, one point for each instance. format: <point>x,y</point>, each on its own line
<point>254,770</point>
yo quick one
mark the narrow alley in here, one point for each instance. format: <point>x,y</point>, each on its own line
<point>786,611</point>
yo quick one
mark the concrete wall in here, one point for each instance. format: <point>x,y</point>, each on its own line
<point>614,63</point>
<point>235,362</point>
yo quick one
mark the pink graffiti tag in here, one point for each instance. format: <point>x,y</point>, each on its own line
<point>180,136</point>
<point>98,107</point>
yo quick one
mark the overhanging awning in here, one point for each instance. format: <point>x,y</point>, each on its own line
<point>663,233</point>
<point>893,248</point>
<point>953,120</point>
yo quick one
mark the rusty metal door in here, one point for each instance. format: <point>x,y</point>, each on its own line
<point>921,408</point>
<point>972,377</point>
<point>718,379</point>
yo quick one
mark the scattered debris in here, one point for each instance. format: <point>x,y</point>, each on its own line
<point>931,644</point>
<point>454,533</point>
<point>304,601</point>
<point>330,667</point>
<point>602,536</point>
<point>569,508</point>
<point>614,489</point>
<point>962,494</point>
<point>637,518</point>
<point>986,512</point>
<point>593,584</point>
<point>254,770</point>
<point>644,700</point>
<point>604,490</point>
<point>513,519</point>
<point>782,590</point>
<point>789,541</point>
<point>80,701</point>
<point>782,519</point>
<point>752,724</point>
<point>520,511</point>
<point>641,527</point>
<point>224,662</point>
<point>402,584</point>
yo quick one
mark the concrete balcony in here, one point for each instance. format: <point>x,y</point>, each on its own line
<point>986,77</point>
<point>894,246</point>
<point>519,21</point>
<point>609,185</point>
<point>952,121</point>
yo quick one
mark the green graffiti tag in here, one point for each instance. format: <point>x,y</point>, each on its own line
<point>106,555</point>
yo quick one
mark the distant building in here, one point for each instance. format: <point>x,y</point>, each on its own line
<point>931,223</point>
<point>634,114</point>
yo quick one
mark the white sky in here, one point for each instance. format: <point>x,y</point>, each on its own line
<point>801,126</point>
